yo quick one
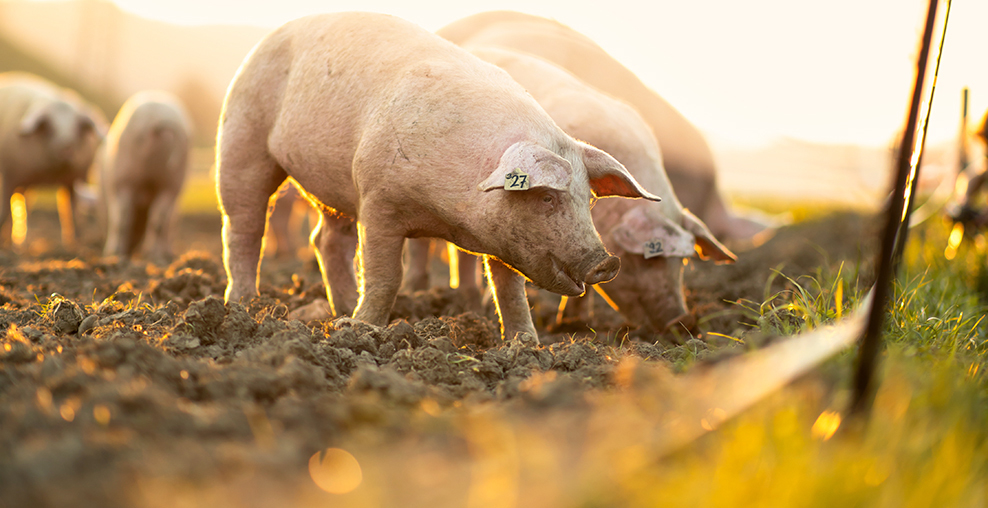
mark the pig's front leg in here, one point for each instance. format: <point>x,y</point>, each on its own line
<point>335,240</point>
<point>511,300</point>
<point>379,272</point>
<point>470,286</point>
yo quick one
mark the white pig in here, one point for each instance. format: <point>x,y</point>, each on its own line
<point>686,156</point>
<point>147,152</point>
<point>382,122</point>
<point>651,238</point>
<point>48,136</point>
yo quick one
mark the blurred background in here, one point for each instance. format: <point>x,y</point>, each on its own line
<point>796,98</point>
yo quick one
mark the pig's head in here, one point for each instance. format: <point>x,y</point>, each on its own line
<point>546,231</point>
<point>652,247</point>
<point>67,133</point>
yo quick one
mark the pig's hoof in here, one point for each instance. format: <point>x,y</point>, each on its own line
<point>525,338</point>
<point>358,326</point>
<point>316,310</point>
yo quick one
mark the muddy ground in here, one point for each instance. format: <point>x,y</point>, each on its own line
<point>130,384</point>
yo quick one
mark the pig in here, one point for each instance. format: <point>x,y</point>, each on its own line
<point>652,238</point>
<point>394,133</point>
<point>48,136</point>
<point>686,156</point>
<point>142,174</point>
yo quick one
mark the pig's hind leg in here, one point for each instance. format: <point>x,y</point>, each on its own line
<point>120,222</point>
<point>159,226</point>
<point>417,271</point>
<point>335,240</point>
<point>6,219</point>
<point>246,179</point>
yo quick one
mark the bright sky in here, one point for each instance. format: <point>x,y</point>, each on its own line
<point>835,72</point>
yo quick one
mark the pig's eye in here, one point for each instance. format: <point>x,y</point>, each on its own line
<point>549,200</point>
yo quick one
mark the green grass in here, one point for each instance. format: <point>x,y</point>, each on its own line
<point>926,443</point>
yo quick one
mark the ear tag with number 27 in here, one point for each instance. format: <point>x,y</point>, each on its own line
<point>517,180</point>
<point>653,249</point>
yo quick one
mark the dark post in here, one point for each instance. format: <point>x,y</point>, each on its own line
<point>870,343</point>
<point>962,145</point>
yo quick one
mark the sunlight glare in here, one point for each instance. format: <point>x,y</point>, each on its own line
<point>954,241</point>
<point>18,214</point>
<point>826,425</point>
<point>335,470</point>
<point>454,265</point>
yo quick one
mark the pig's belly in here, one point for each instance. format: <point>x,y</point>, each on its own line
<point>323,177</point>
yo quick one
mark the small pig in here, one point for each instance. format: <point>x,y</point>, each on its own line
<point>48,136</point>
<point>652,239</point>
<point>383,123</point>
<point>688,160</point>
<point>144,166</point>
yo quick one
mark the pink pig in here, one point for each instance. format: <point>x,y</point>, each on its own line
<point>146,159</point>
<point>48,136</point>
<point>686,156</point>
<point>651,238</point>
<point>379,121</point>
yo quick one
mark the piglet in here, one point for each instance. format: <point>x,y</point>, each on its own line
<point>383,123</point>
<point>147,153</point>
<point>48,136</point>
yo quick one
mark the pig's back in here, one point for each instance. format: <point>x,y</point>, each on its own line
<point>341,68</point>
<point>148,141</point>
<point>592,116</point>
<point>370,90</point>
<point>686,155</point>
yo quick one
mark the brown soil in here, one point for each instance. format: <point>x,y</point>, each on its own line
<point>130,384</point>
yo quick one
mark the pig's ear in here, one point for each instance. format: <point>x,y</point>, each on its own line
<point>706,244</point>
<point>543,168</point>
<point>33,121</point>
<point>609,178</point>
<point>649,233</point>
<point>93,119</point>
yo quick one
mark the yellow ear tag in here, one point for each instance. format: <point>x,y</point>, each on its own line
<point>517,180</point>
<point>653,249</point>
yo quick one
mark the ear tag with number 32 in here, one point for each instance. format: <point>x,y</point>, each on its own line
<point>653,249</point>
<point>517,180</point>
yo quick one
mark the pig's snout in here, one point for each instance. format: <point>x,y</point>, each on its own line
<point>604,271</point>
